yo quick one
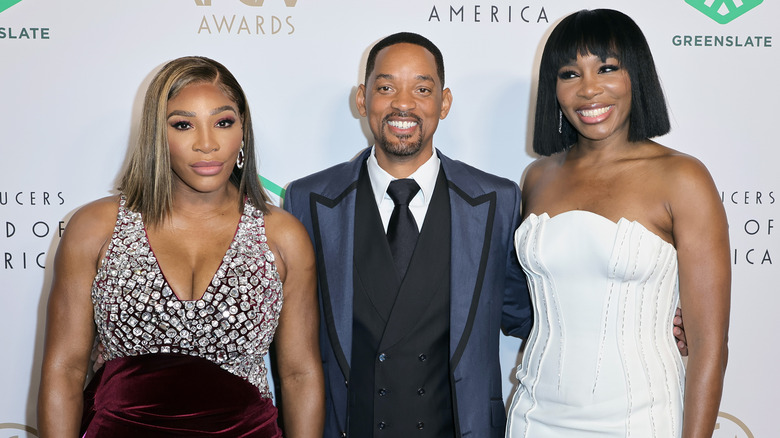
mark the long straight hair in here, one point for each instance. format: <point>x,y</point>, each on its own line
<point>148,180</point>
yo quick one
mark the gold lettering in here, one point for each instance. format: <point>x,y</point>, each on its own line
<point>243,26</point>
<point>259,22</point>
<point>204,24</point>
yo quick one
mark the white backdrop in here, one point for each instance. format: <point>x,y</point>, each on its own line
<point>72,76</point>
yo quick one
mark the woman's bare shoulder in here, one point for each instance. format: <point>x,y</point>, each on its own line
<point>94,221</point>
<point>87,234</point>
<point>289,240</point>
<point>284,229</point>
<point>678,167</point>
<point>280,221</point>
<point>683,179</point>
<point>542,166</point>
<point>545,162</point>
<point>99,213</point>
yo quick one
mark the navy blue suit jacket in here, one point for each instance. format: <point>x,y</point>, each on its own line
<point>487,286</point>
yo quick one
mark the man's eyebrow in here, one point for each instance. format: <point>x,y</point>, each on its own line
<point>391,77</point>
<point>384,76</point>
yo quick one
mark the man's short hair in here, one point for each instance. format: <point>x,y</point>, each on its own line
<point>410,38</point>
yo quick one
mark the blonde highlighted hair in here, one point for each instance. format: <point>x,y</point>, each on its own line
<point>148,180</point>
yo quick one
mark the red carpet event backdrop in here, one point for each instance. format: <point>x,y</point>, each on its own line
<point>73,74</point>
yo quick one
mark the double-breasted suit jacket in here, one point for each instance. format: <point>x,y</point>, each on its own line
<point>487,287</point>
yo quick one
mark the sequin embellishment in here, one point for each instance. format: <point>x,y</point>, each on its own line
<point>232,325</point>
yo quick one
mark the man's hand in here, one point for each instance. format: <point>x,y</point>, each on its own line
<point>99,361</point>
<point>679,332</point>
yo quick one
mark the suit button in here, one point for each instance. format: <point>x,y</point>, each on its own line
<point>382,392</point>
<point>381,425</point>
<point>382,357</point>
<point>343,435</point>
<point>422,357</point>
<point>420,391</point>
<point>346,383</point>
<point>420,425</point>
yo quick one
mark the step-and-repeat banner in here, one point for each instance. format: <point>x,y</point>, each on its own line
<point>72,77</point>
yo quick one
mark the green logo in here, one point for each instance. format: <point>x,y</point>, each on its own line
<point>272,187</point>
<point>724,11</point>
<point>5,4</point>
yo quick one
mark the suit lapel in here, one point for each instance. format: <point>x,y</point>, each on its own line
<point>333,223</point>
<point>472,210</point>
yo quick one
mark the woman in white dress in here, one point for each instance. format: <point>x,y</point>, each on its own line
<point>617,230</point>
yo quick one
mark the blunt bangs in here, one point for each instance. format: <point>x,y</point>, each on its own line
<point>581,35</point>
<point>604,33</point>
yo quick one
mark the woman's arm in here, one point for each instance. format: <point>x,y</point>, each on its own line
<point>69,319</point>
<point>297,343</point>
<point>700,232</point>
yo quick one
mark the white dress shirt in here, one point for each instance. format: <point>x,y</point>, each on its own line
<point>425,176</point>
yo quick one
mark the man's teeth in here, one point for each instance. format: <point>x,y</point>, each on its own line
<point>402,125</point>
<point>595,112</point>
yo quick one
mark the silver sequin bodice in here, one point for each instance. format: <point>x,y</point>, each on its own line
<point>232,325</point>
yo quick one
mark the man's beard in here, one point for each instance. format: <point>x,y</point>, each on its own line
<point>403,148</point>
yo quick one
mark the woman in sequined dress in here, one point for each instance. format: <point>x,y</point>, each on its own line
<point>617,230</point>
<point>187,276</point>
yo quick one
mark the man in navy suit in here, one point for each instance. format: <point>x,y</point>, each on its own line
<point>412,351</point>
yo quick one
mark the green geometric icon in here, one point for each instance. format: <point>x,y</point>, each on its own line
<point>723,11</point>
<point>272,187</point>
<point>5,4</point>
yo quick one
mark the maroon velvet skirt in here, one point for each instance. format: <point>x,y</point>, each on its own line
<point>169,395</point>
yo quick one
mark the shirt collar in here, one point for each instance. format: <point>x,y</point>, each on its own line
<point>425,176</point>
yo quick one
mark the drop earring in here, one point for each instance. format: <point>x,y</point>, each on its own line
<point>240,159</point>
<point>560,122</point>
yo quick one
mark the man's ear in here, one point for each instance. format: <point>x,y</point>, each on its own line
<point>360,100</point>
<point>446,103</point>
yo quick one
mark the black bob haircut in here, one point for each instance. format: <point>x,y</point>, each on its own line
<point>604,33</point>
<point>410,38</point>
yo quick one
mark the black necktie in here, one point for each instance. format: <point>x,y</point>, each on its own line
<point>402,230</point>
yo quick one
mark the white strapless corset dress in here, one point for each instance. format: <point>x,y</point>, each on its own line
<point>601,360</point>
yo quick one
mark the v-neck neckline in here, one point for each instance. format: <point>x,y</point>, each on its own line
<point>213,277</point>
